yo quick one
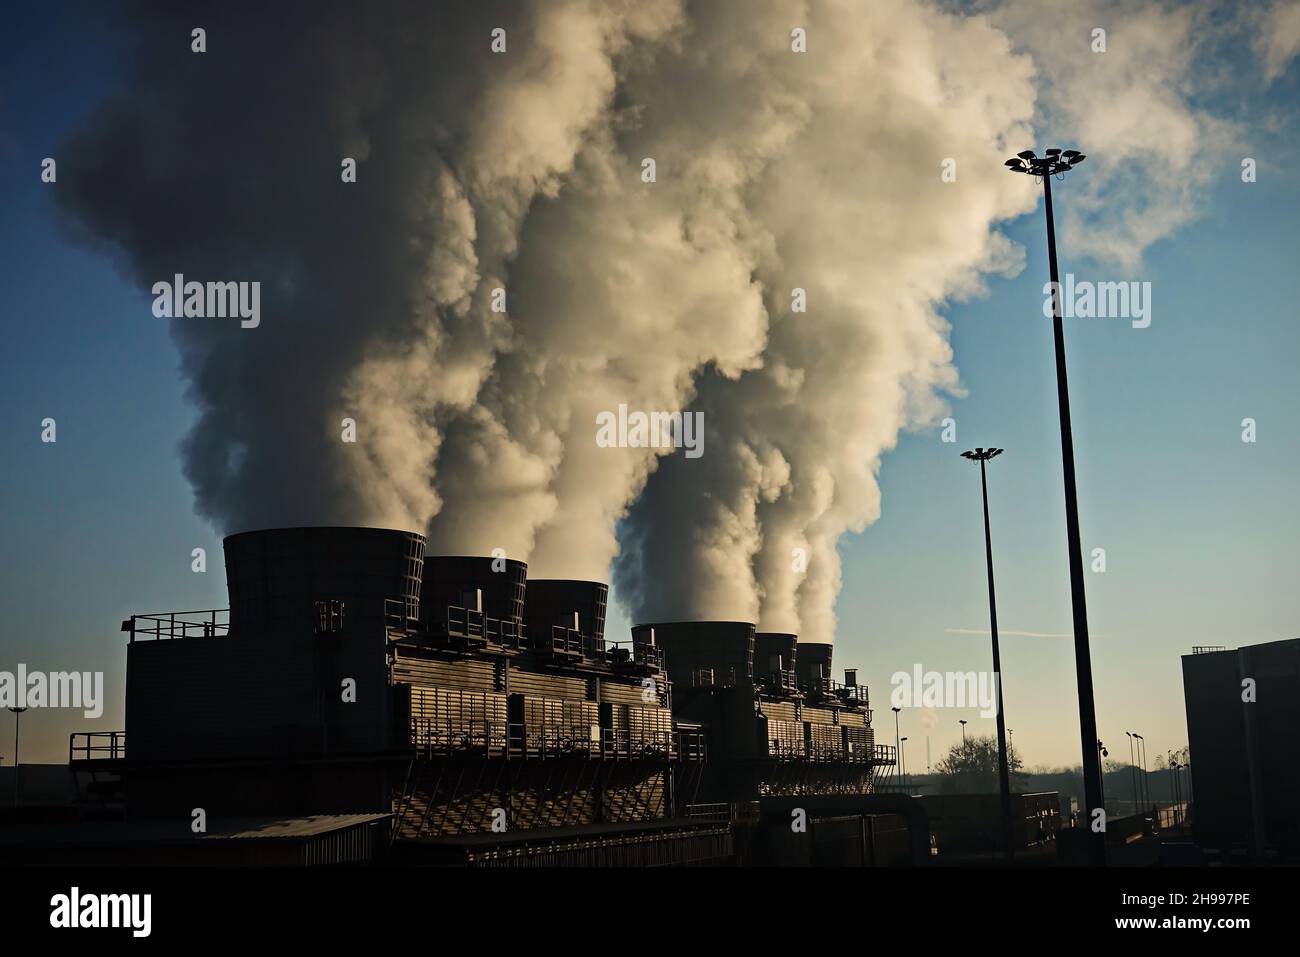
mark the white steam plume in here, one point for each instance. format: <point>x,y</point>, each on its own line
<point>521,170</point>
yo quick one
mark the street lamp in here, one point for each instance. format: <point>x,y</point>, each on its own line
<point>1132,769</point>
<point>17,712</point>
<point>1180,813</point>
<point>1146,781</point>
<point>897,744</point>
<point>1057,163</point>
<point>962,722</point>
<point>982,456</point>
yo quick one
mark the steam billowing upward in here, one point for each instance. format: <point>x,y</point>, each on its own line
<point>522,170</point>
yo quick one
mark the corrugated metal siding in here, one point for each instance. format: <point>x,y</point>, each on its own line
<point>479,674</point>
<point>819,715</point>
<point>853,719</point>
<point>781,738</point>
<point>858,742</point>
<point>625,693</point>
<point>551,722</point>
<point>781,710</point>
<point>550,686</point>
<point>825,742</point>
<point>452,716</point>
<point>649,726</point>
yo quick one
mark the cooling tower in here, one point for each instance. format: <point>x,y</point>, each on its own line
<point>552,601</point>
<point>454,580</point>
<point>278,577</point>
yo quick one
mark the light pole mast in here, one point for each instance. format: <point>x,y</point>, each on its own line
<point>1132,769</point>
<point>17,770</point>
<point>982,456</point>
<point>1056,163</point>
<point>1146,781</point>
<point>897,747</point>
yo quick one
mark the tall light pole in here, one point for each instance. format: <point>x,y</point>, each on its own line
<point>897,744</point>
<point>17,771</point>
<point>962,722</point>
<point>902,753</point>
<point>1132,769</point>
<point>1057,163</point>
<point>1146,781</point>
<point>1179,816</point>
<point>982,456</point>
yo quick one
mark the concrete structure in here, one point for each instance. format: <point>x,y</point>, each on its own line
<point>1245,754</point>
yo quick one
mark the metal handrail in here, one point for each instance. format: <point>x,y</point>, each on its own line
<point>562,640</point>
<point>464,735</point>
<point>783,680</point>
<point>400,614</point>
<point>96,746</point>
<point>167,625</point>
<point>709,812</point>
<point>635,652</point>
<point>692,745</point>
<point>552,740</point>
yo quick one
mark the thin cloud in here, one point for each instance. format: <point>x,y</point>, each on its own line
<point>1017,634</point>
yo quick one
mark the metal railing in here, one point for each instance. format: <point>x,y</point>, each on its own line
<point>96,746</point>
<point>561,641</point>
<point>787,749</point>
<point>167,625</point>
<point>884,755</point>
<point>451,736</point>
<point>1206,649</point>
<point>829,753</point>
<point>635,652</point>
<point>692,745</point>
<point>828,688</point>
<point>448,736</point>
<point>709,812</point>
<point>400,615</point>
<point>472,625</point>
<point>782,681</point>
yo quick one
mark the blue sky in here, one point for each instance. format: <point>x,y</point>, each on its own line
<point>1199,528</point>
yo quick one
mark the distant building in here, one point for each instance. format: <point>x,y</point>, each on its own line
<point>1245,754</point>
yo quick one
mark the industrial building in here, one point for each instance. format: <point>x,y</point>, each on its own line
<point>487,718</point>
<point>1243,708</point>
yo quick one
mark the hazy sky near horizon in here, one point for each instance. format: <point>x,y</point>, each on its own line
<point>1199,528</point>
